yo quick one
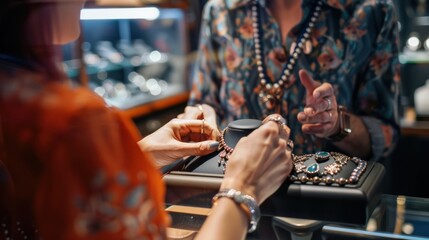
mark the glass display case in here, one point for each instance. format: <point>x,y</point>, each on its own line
<point>132,56</point>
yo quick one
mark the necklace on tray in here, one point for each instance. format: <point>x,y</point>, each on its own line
<point>271,92</point>
<point>307,169</point>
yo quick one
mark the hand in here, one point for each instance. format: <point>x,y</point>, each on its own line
<point>200,111</point>
<point>260,162</point>
<point>179,138</point>
<point>320,115</point>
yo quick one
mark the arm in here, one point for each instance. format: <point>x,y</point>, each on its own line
<point>97,183</point>
<point>321,118</point>
<point>378,96</point>
<point>258,166</point>
<point>374,120</point>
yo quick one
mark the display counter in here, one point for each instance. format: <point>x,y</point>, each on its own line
<point>394,217</point>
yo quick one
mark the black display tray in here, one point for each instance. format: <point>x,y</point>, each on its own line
<point>195,185</point>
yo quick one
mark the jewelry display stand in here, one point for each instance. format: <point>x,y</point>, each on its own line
<point>195,180</point>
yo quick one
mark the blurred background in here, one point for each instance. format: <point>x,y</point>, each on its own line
<point>137,55</point>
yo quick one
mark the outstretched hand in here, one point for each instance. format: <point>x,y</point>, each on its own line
<point>320,115</point>
<point>179,138</point>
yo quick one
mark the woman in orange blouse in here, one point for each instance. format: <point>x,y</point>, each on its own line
<point>70,167</point>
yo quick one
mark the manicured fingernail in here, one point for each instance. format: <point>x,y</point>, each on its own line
<point>214,145</point>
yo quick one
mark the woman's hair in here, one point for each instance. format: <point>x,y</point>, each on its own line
<point>29,39</point>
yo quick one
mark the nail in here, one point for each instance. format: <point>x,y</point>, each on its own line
<point>213,145</point>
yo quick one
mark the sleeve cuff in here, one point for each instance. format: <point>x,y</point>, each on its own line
<point>376,135</point>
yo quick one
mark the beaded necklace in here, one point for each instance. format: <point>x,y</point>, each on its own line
<point>226,151</point>
<point>272,92</point>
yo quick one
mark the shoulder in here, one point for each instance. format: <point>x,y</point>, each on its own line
<point>218,7</point>
<point>50,103</point>
<point>351,6</point>
<point>380,6</point>
<point>213,8</point>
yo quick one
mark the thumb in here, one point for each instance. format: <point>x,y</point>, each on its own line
<point>198,148</point>
<point>308,82</point>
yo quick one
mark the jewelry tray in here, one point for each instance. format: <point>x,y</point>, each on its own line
<point>194,181</point>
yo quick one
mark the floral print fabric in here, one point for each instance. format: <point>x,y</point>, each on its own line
<point>354,47</point>
<point>74,164</point>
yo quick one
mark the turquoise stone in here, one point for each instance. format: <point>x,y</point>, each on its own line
<point>313,168</point>
<point>321,156</point>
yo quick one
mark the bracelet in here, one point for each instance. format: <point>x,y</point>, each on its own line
<point>246,202</point>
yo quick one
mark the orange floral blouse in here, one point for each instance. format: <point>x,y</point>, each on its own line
<point>70,165</point>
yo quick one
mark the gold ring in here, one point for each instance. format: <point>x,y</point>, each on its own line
<point>202,127</point>
<point>200,107</point>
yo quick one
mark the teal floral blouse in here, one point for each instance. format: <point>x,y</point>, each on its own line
<point>354,47</point>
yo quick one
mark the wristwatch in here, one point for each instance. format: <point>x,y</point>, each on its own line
<point>246,202</point>
<point>344,126</point>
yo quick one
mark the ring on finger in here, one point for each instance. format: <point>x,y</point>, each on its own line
<point>200,107</point>
<point>278,119</point>
<point>329,103</point>
<point>202,127</point>
<point>290,144</point>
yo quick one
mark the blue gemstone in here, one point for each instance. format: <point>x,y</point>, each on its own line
<point>313,168</point>
<point>320,156</point>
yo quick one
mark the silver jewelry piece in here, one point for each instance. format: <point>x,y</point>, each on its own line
<point>328,99</point>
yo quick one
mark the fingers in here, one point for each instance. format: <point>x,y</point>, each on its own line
<point>192,113</point>
<point>321,104</point>
<point>193,130</point>
<point>197,148</point>
<point>319,115</point>
<point>262,155</point>
<point>308,82</point>
<point>282,124</point>
<point>277,137</point>
<point>322,117</point>
<point>200,111</point>
<point>323,91</point>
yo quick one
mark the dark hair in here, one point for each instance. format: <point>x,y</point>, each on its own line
<point>20,33</point>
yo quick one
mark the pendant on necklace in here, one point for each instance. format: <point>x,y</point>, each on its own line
<point>271,93</point>
<point>269,101</point>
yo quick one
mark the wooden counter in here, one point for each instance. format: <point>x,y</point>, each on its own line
<point>415,128</point>
<point>159,104</point>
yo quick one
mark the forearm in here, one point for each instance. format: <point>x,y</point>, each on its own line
<point>358,142</point>
<point>226,221</point>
